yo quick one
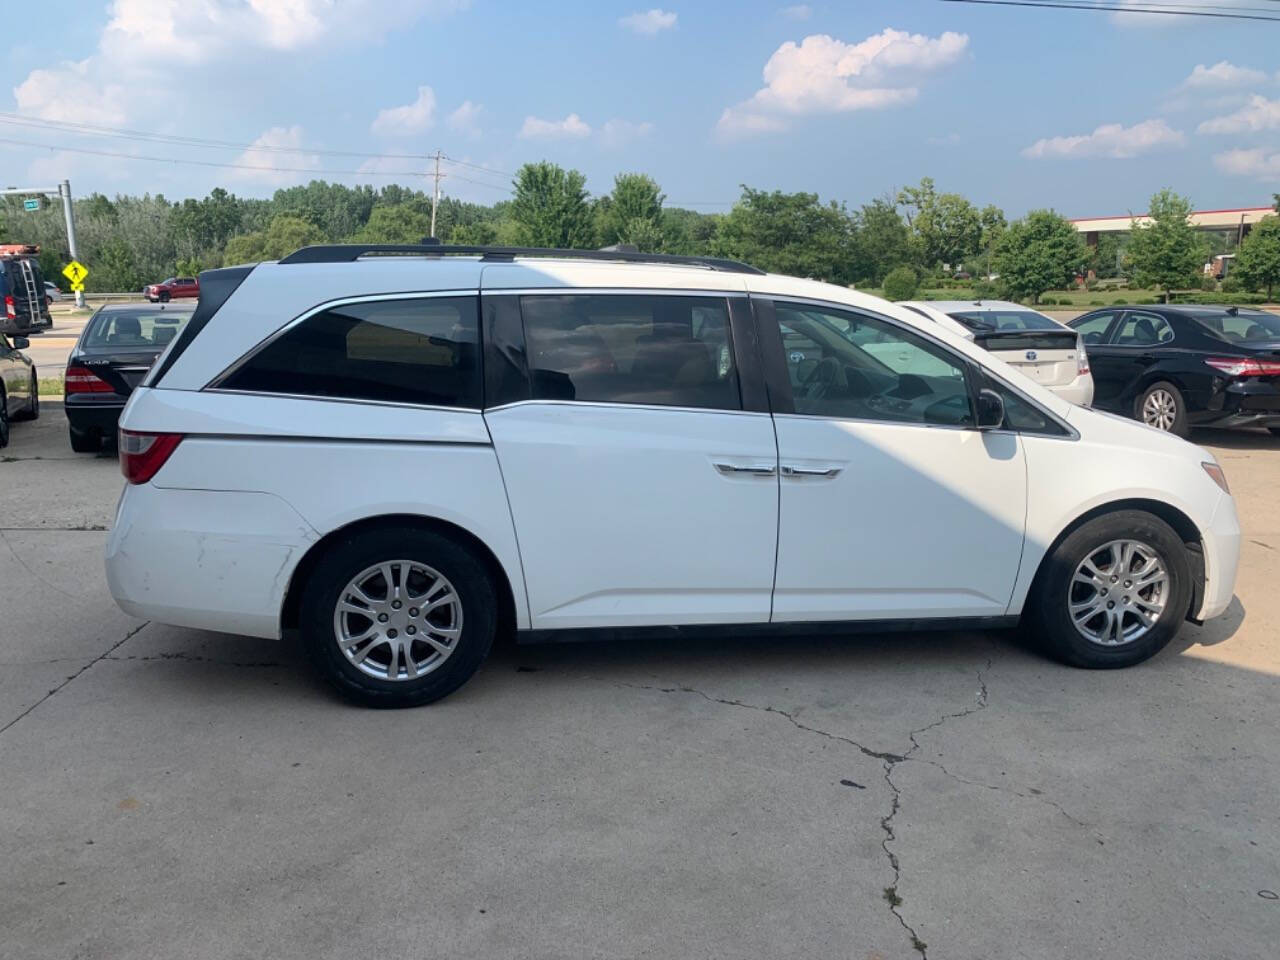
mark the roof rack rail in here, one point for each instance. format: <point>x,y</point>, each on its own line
<point>348,252</point>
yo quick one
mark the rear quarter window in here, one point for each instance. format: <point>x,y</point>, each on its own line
<point>422,351</point>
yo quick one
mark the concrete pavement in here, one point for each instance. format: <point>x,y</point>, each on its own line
<point>171,793</point>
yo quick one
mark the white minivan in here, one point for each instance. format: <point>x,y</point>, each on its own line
<point>399,451</point>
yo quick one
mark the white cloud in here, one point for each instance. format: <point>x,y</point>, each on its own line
<point>1221,75</point>
<point>824,75</point>
<point>570,128</point>
<point>1110,140</point>
<point>466,119</point>
<point>142,63</point>
<point>650,21</point>
<point>1250,163</point>
<point>409,119</point>
<point>616,133</point>
<point>1257,115</point>
<point>799,11</point>
<point>275,168</point>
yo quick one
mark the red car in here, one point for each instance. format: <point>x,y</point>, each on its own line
<point>175,288</point>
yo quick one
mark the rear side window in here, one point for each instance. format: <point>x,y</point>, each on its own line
<point>1143,330</point>
<point>420,351</point>
<point>607,348</point>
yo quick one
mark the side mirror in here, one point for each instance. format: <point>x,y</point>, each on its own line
<point>990,410</point>
<point>21,343</point>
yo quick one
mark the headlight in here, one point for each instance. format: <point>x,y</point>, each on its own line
<point>1217,476</point>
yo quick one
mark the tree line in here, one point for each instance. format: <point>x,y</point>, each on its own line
<point>898,240</point>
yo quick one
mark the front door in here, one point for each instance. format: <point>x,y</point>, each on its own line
<point>892,505</point>
<point>643,490</point>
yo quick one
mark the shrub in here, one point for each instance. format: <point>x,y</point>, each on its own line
<point>1147,301</point>
<point>1208,283</point>
<point>1232,285</point>
<point>901,284</point>
<point>986,290</point>
<point>1119,302</point>
<point>1097,303</point>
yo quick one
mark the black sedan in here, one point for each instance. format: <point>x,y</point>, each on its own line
<point>1176,367</point>
<point>19,385</point>
<point>117,348</point>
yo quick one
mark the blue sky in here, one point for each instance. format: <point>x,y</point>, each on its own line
<point>1086,112</point>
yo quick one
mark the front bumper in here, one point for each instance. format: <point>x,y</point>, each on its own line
<point>1221,559</point>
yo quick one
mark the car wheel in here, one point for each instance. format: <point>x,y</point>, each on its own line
<point>1113,593</point>
<point>84,441</point>
<point>1274,431</point>
<point>398,618</point>
<point>1162,406</point>
<point>33,406</point>
<point>164,298</point>
<point>4,421</point>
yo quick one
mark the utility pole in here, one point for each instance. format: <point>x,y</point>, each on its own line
<point>435,197</point>
<point>64,191</point>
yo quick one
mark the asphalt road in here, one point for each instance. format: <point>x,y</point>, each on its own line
<point>171,793</point>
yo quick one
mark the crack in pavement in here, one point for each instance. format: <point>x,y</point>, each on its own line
<point>98,659</point>
<point>889,761</point>
<point>25,566</point>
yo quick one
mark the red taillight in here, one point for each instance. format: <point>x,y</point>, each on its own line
<point>142,454</point>
<point>10,308</point>
<point>1245,366</point>
<point>84,380</point>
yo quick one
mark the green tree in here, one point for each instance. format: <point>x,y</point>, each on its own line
<point>398,224</point>
<point>1258,262</point>
<point>881,241</point>
<point>550,207</point>
<point>1165,253</point>
<point>283,235</point>
<point>790,233</point>
<point>1040,252</point>
<point>900,284</point>
<point>945,227</point>
<point>993,224</point>
<point>689,232</point>
<point>632,213</point>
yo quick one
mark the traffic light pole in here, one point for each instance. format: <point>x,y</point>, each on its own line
<point>62,190</point>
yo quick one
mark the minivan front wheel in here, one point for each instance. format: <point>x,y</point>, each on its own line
<point>398,618</point>
<point>1113,593</point>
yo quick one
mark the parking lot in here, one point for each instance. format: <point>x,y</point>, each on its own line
<point>171,793</point>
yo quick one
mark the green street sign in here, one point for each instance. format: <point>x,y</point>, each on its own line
<point>32,204</point>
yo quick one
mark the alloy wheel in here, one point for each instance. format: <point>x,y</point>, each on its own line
<point>398,620</point>
<point>1159,409</point>
<point>1118,592</point>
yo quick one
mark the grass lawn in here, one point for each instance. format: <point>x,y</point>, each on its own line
<point>50,386</point>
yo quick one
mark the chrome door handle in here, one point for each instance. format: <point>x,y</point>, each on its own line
<point>792,471</point>
<point>753,469</point>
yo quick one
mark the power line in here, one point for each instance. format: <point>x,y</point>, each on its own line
<point>1173,11</point>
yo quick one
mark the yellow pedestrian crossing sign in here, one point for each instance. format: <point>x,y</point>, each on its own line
<point>75,271</point>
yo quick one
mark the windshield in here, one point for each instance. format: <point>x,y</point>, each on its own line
<point>1245,325</point>
<point>136,329</point>
<point>1013,320</point>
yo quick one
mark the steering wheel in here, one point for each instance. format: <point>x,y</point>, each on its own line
<point>820,380</point>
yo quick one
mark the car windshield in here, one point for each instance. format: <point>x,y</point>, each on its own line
<point>1244,325</point>
<point>1013,320</point>
<point>139,329</point>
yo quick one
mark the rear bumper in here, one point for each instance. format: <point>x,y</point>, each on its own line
<point>22,325</point>
<point>1221,559</point>
<point>209,559</point>
<point>94,413</point>
<point>1079,391</point>
<point>1247,402</point>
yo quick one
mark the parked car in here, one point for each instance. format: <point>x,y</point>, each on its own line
<point>174,288</point>
<point>1175,367</point>
<point>51,292</point>
<point>401,455</point>
<point>114,352</point>
<point>1038,346</point>
<point>19,385</point>
<point>22,287</point>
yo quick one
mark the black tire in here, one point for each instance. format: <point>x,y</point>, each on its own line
<point>1180,426</point>
<point>164,298</point>
<point>4,420</point>
<point>350,556</point>
<point>84,441</point>
<point>33,408</point>
<point>1048,612</point>
<point>1274,431</point>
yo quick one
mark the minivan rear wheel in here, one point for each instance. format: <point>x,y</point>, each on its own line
<point>1113,593</point>
<point>398,618</point>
